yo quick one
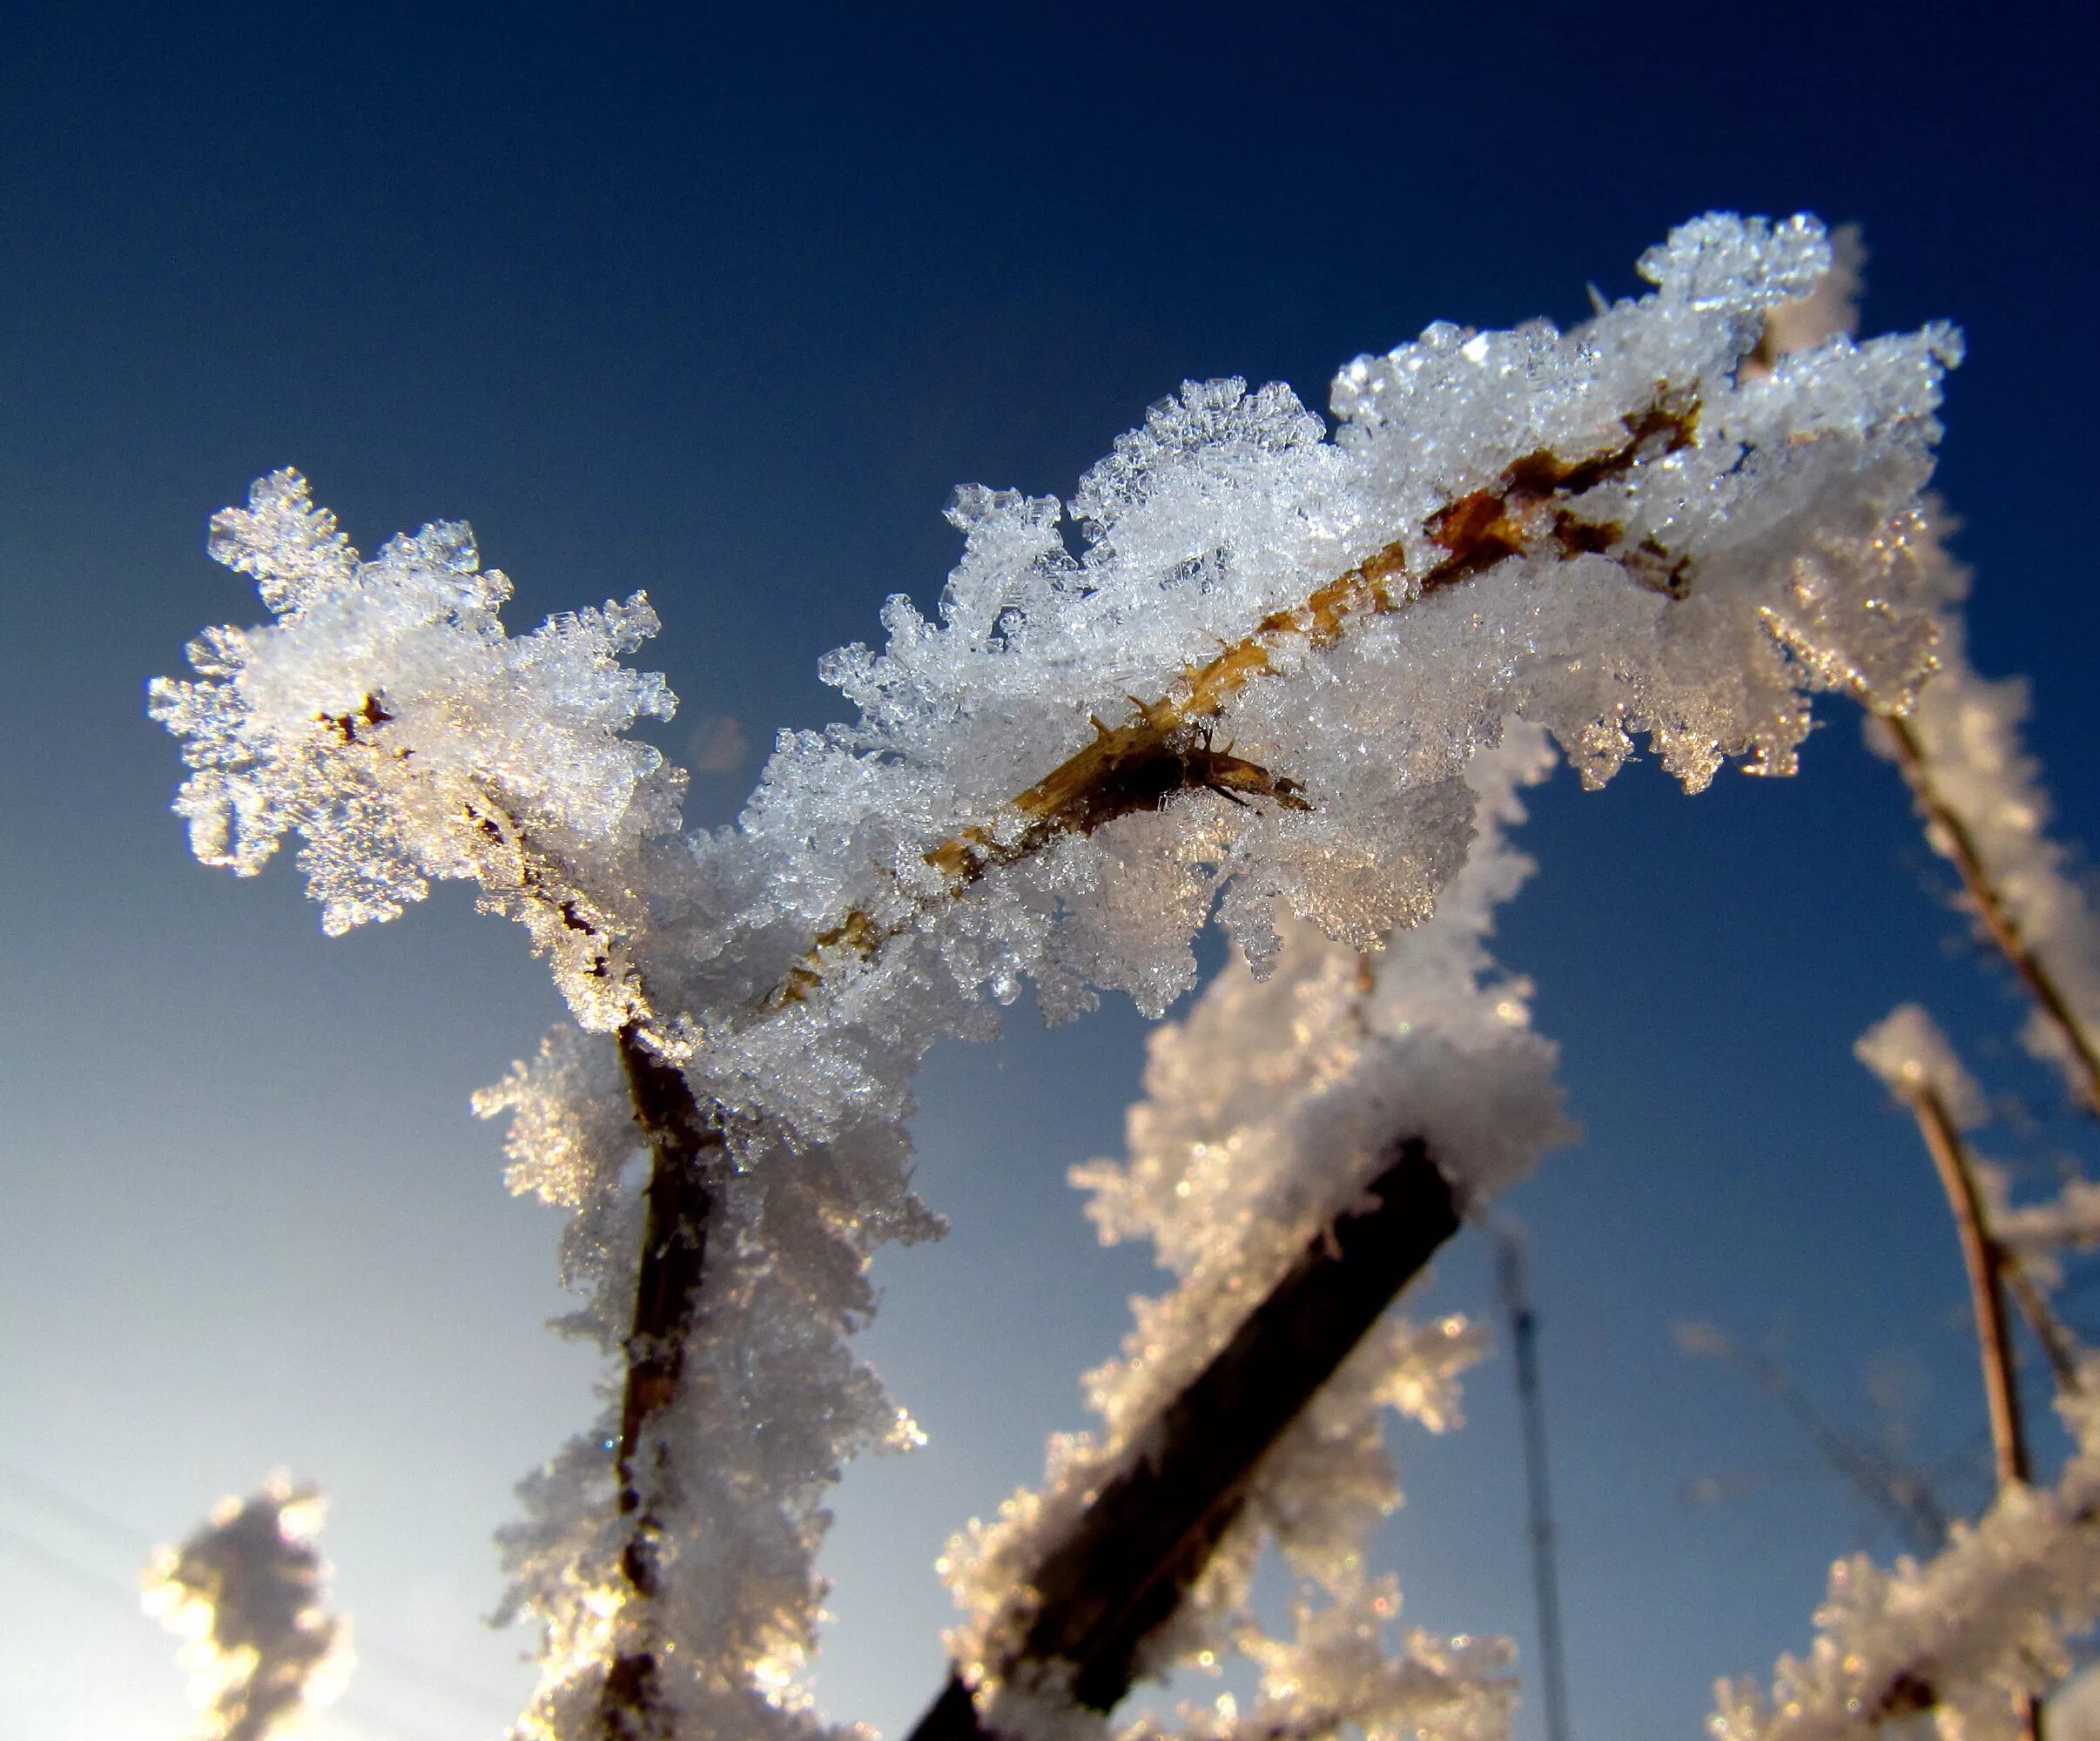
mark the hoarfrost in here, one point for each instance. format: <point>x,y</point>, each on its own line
<point>1969,1632</point>
<point>1911,1056</point>
<point>387,718</point>
<point>245,1592</point>
<point>1982,798</point>
<point>1266,1110</point>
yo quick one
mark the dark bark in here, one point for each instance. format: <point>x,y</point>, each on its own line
<point>1147,1537</point>
<point>683,1155</point>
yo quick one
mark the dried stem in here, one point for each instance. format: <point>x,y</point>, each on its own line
<point>1165,748</point>
<point>1144,1540</point>
<point>2059,1345</point>
<point>1983,1259</point>
<point>683,1155</point>
<point>1989,905</point>
<point>1986,1288</point>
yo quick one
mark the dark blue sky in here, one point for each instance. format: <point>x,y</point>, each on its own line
<point>723,305</point>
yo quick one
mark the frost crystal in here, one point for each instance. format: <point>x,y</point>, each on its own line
<point>1968,1633</point>
<point>1266,1111</point>
<point>1909,1053</point>
<point>387,718</point>
<point>246,1591</point>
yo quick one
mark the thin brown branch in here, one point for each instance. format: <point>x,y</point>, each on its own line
<point>2059,1347</point>
<point>1981,1257</point>
<point>1166,749</point>
<point>1148,1535</point>
<point>684,1156</point>
<point>1989,904</point>
<point>1986,1289</point>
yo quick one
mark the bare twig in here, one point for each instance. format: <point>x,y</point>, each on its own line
<point>2059,1345</point>
<point>1904,1498</point>
<point>1148,1534</point>
<point>1981,1256</point>
<point>1989,904</point>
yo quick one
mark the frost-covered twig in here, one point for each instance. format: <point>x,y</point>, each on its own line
<point>246,1591</point>
<point>1147,1536</point>
<point>684,1157</point>
<point>2028,895</point>
<point>1272,1105</point>
<point>1912,1058</point>
<point>1975,1634</point>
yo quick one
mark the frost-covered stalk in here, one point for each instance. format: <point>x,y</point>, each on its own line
<point>1975,1634</point>
<point>2006,808</point>
<point>246,1591</point>
<point>1914,1060</point>
<point>1616,531</point>
<point>1282,1136</point>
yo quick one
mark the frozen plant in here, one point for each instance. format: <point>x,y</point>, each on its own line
<point>246,1592</point>
<point>1267,1111</point>
<point>1249,672</point>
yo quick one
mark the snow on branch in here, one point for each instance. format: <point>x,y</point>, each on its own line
<point>1273,1146</point>
<point>1970,1634</point>
<point>1987,812</point>
<point>245,1592</point>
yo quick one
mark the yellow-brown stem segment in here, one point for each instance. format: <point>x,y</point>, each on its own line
<point>1989,905</point>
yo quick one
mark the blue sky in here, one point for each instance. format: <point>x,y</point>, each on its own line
<point>723,304</point>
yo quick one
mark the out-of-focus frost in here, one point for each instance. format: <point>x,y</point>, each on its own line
<point>246,1592</point>
<point>1912,1056</point>
<point>1969,1633</point>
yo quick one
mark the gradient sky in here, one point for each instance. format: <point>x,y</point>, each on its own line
<point>723,304</point>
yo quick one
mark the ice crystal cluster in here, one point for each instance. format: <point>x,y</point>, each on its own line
<point>1267,1111</point>
<point>386,718</point>
<point>245,1592</point>
<point>1251,671</point>
<point>1966,1633</point>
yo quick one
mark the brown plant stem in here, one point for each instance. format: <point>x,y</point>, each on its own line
<point>1989,904</point>
<point>2057,1346</point>
<point>1981,1257</point>
<point>1095,1596</point>
<point>1165,748</point>
<point>1986,1286</point>
<point>684,1153</point>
